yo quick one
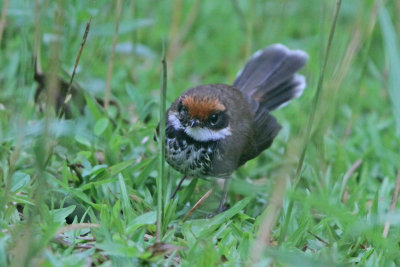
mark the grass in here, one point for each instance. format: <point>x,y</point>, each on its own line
<point>86,190</point>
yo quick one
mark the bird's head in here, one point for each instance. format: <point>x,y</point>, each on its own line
<point>202,118</point>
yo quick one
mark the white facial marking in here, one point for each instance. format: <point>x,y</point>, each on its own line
<point>173,119</point>
<point>205,134</point>
<point>199,133</point>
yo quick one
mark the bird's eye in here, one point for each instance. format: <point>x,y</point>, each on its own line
<point>182,110</point>
<point>214,119</point>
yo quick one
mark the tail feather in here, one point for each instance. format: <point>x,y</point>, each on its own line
<point>270,79</point>
<point>274,99</point>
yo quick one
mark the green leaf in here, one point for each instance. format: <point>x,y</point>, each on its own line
<point>98,182</point>
<point>22,199</point>
<point>82,196</point>
<point>203,227</point>
<point>135,95</point>
<point>126,204</point>
<point>95,171</point>
<point>61,214</point>
<point>144,219</point>
<point>375,205</point>
<point>19,180</point>
<point>3,252</point>
<point>117,221</point>
<point>392,52</point>
<point>115,249</point>
<point>148,167</point>
<point>100,126</point>
<point>82,140</point>
<point>126,26</point>
<point>93,107</point>
<point>117,168</point>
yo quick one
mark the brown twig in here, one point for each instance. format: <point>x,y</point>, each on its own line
<point>68,95</point>
<point>174,29</point>
<point>74,168</point>
<point>319,238</point>
<point>111,61</point>
<point>38,65</point>
<point>25,245</point>
<point>87,238</point>
<point>60,239</point>
<point>177,33</point>
<point>305,247</point>
<point>240,13</point>
<point>3,19</point>
<point>190,19</point>
<point>397,6</point>
<point>318,93</point>
<point>393,204</point>
<point>162,248</point>
<point>366,46</point>
<point>76,226</point>
<point>348,174</point>
<point>198,204</point>
<point>355,44</point>
<point>311,118</point>
<point>136,198</point>
<point>270,216</point>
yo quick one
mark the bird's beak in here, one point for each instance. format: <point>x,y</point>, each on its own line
<point>194,123</point>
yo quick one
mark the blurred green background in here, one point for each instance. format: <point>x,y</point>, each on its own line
<point>100,165</point>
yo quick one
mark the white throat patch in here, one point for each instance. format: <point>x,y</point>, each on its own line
<point>199,133</point>
<point>205,134</point>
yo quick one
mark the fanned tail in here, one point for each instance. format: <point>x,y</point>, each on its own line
<point>270,79</point>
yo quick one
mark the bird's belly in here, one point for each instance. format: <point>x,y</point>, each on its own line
<point>189,158</point>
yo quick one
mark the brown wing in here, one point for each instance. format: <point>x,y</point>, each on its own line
<point>266,129</point>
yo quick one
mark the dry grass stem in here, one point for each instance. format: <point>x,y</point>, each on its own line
<point>37,39</point>
<point>178,35</point>
<point>319,238</point>
<point>393,204</point>
<point>111,61</point>
<point>271,213</point>
<point>348,174</point>
<point>318,92</point>
<point>310,122</point>
<point>76,226</point>
<point>198,204</point>
<point>68,95</point>
<point>3,19</point>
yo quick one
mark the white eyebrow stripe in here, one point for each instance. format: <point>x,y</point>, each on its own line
<point>198,133</point>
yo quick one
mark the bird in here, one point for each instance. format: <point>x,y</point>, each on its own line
<point>213,129</point>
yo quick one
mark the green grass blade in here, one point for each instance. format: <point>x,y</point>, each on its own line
<point>393,55</point>
<point>161,174</point>
<point>312,116</point>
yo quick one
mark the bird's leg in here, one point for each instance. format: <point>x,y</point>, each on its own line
<point>178,186</point>
<point>221,206</point>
